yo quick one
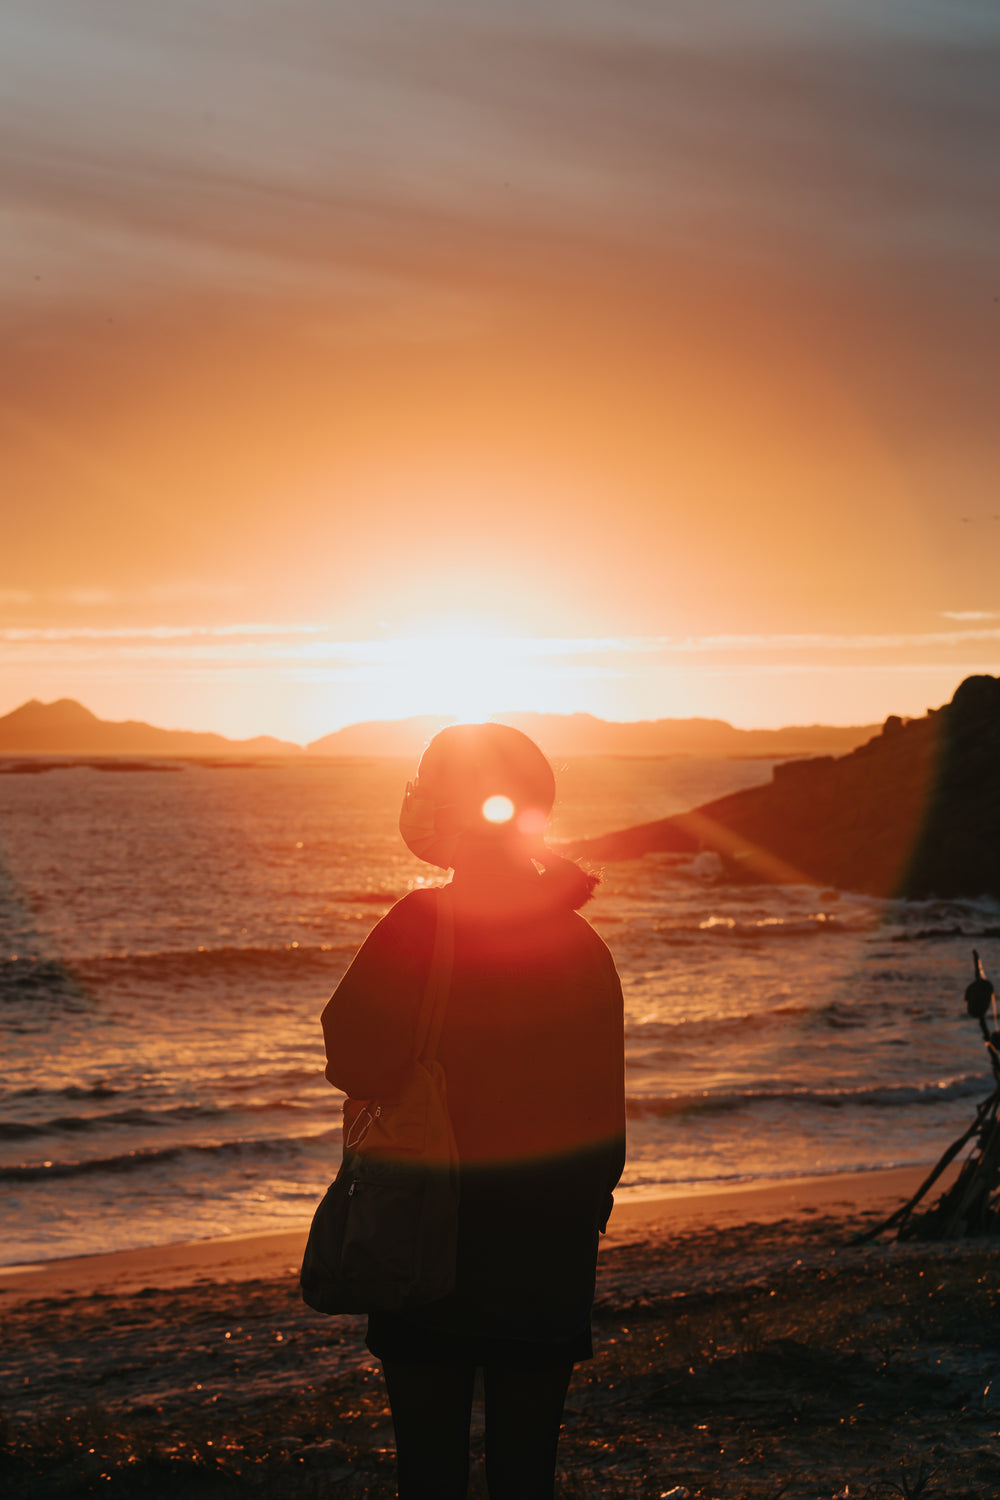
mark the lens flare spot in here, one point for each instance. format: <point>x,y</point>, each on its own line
<point>531,822</point>
<point>498,809</point>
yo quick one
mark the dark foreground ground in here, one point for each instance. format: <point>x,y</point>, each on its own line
<point>748,1364</point>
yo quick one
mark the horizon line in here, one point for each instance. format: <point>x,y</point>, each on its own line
<point>443,719</point>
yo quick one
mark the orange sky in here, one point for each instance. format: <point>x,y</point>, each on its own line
<point>653,348</point>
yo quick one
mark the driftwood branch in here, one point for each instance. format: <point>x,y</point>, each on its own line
<point>966,1207</point>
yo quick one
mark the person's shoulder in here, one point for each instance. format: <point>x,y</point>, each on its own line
<point>418,904</point>
<point>587,937</point>
<point>405,930</point>
<point>413,912</point>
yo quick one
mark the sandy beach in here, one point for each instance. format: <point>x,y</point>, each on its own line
<point>245,1257</point>
<point>744,1348</point>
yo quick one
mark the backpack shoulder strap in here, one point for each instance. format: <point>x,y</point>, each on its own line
<point>438,986</point>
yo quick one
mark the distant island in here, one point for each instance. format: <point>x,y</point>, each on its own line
<point>66,728</point>
<point>914,812</point>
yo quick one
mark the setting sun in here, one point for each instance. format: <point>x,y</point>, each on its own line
<point>647,427</point>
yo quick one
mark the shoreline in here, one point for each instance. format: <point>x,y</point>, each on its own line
<point>277,1253</point>
<point>745,1346</point>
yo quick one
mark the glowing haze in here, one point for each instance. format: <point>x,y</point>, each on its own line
<point>362,361</point>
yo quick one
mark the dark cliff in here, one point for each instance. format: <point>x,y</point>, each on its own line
<point>913,812</point>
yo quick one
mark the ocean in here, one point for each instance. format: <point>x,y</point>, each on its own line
<point>170,933</point>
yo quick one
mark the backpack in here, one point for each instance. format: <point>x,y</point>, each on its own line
<point>386,1231</point>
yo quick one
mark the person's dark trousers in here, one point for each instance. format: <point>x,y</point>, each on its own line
<point>431,1412</point>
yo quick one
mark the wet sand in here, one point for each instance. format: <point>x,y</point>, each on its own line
<point>745,1347</point>
<point>245,1257</point>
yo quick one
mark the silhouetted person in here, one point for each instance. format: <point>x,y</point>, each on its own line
<point>532,1049</point>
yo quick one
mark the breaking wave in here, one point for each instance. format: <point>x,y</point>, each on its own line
<point>29,977</point>
<point>232,1153</point>
<point>882,1096</point>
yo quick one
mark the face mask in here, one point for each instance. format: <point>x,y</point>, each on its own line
<point>418,826</point>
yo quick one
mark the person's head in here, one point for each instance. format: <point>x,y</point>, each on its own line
<point>483,794</point>
<point>477,782</point>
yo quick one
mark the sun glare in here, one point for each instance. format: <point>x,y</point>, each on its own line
<point>498,809</point>
<point>467,667</point>
<point>531,822</point>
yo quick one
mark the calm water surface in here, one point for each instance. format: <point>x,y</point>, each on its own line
<point>168,938</point>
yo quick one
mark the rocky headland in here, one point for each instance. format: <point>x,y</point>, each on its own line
<point>914,812</point>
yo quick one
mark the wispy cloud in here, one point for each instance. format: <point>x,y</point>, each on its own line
<point>312,642</point>
<point>70,633</point>
<point>91,596</point>
<point>837,125</point>
<point>890,641</point>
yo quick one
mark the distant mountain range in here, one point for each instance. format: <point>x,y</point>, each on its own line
<point>67,728</point>
<point>569,735</point>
